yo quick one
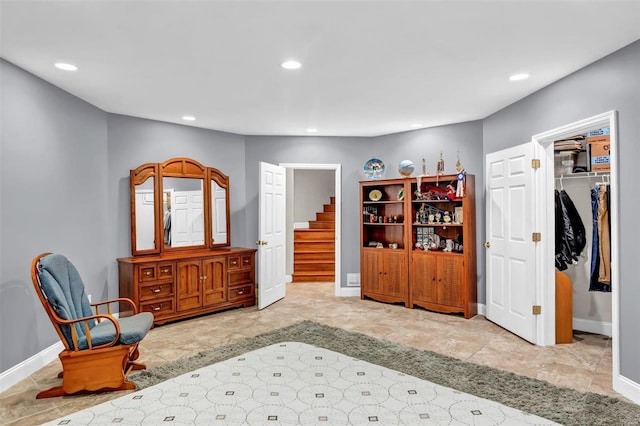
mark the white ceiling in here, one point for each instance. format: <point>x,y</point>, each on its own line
<point>369,67</point>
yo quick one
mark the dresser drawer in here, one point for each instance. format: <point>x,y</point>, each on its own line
<point>240,277</point>
<point>240,261</point>
<point>158,307</point>
<point>154,272</point>
<point>243,292</point>
<point>156,290</point>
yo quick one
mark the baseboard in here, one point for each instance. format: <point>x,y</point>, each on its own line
<point>590,326</point>
<point>628,388</point>
<point>349,292</point>
<point>482,309</point>
<point>288,279</point>
<point>29,366</point>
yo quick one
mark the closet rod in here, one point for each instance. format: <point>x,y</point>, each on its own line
<point>582,175</point>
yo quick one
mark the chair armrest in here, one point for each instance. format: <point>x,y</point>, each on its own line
<point>87,330</point>
<point>117,300</point>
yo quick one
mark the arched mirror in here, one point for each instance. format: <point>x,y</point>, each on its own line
<point>220,224</point>
<point>187,207</point>
<point>144,185</point>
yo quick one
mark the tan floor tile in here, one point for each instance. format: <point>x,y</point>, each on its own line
<point>585,364</point>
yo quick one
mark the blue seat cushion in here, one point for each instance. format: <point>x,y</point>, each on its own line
<point>132,330</point>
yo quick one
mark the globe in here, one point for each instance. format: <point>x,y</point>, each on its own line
<point>406,167</point>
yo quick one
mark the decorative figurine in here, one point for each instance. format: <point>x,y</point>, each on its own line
<point>440,166</point>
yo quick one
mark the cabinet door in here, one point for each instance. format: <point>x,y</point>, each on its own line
<point>189,284</point>
<point>394,274</point>
<point>424,278</point>
<point>371,271</point>
<point>450,281</point>
<point>214,280</point>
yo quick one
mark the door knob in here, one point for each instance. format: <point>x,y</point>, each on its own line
<point>487,244</point>
<point>261,243</point>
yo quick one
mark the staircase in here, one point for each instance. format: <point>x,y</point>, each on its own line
<point>314,248</point>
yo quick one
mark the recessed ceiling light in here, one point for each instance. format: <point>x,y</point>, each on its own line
<point>291,65</point>
<point>66,67</point>
<point>188,118</point>
<point>518,77</point>
<point>312,130</point>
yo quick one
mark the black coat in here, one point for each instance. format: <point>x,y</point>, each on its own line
<point>570,232</point>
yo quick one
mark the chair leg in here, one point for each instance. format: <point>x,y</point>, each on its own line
<point>92,371</point>
<point>59,391</point>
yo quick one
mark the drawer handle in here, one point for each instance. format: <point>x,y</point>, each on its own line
<point>240,291</point>
<point>247,261</point>
<point>165,270</point>
<point>156,308</point>
<point>156,290</point>
<point>147,273</point>
<point>235,262</point>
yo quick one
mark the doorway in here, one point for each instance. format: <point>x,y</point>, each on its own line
<point>545,207</point>
<point>336,169</point>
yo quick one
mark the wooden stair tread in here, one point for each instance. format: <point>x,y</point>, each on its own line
<point>314,273</point>
<point>320,261</point>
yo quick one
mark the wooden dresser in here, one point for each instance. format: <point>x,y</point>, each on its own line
<point>179,285</point>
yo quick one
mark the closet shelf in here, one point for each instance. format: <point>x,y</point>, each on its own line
<point>582,175</point>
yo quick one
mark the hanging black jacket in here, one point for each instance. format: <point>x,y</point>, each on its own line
<point>570,232</point>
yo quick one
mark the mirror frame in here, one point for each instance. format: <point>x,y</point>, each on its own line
<point>178,167</point>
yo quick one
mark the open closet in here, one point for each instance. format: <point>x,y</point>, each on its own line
<point>583,226</point>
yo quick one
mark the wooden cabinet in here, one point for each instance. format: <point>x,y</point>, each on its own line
<point>384,241</point>
<point>384,275</point>
<point>436,281</point>
<point>418,243</point>
<point>183,284</point>
<point>201,283</point>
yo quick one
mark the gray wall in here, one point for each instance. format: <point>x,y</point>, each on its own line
<point>352,153</point>
<point>465,138</point>
<point>135,141</point>
<point>312,189</point>
<point>53,180</point>
<point>612,83</point>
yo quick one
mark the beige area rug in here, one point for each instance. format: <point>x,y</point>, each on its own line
<point>539,398</point>
<point>293,383</point>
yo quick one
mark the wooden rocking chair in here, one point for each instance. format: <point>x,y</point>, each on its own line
<point>100,349</point>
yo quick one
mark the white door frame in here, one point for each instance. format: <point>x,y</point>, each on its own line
<point>337,193</point>
<point>545,206</point>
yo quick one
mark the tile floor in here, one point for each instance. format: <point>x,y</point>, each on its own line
<point>585,365</point>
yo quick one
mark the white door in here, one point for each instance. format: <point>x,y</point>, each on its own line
<point>187,219</point>
<point>510,250</point>
<point>271,235</point>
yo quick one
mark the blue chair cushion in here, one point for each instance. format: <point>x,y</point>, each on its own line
<point>63,288</point>
<point>132,330</point>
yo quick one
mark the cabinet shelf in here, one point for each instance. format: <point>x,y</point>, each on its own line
<point>383,202</point>
<point>442,225</point>
<point>382,224</point>
<point>436,253</point>
<point>455,200</point>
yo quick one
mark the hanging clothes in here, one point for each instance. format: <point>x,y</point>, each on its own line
<point>570,231</point>
<point>601,247</point>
